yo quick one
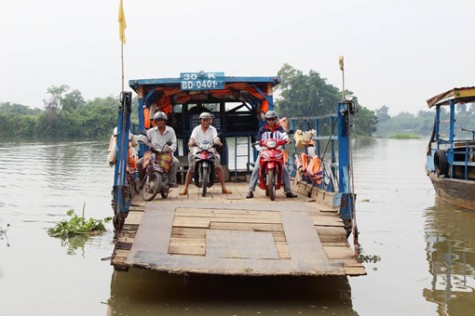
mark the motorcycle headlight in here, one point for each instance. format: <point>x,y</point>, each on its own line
<point>271,144</point>
<point>206,146</point>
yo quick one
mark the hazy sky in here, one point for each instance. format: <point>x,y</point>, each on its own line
<point>397,53</point>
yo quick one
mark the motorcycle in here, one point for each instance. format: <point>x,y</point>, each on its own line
<point>271,165</point>
<point>204,173</point>
<point>156,163</point>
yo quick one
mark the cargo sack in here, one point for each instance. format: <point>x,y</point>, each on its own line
<point>298,138</point>
<point>164,160</point>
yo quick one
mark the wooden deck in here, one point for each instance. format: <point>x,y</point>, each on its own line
<point>232,235</point>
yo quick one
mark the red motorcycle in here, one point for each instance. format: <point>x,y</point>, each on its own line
<point>271,165</point>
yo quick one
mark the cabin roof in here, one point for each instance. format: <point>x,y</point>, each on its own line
<point>458,95</point>
<point>135,83</point>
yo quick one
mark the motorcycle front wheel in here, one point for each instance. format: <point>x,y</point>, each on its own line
<point>205,178</point>
<point>270,184</point>
<point>151,185</point>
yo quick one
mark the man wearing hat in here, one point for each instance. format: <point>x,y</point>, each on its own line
<point>205,132</point>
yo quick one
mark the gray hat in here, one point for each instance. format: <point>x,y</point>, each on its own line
<point>160,116</point>
<point>271,114</point>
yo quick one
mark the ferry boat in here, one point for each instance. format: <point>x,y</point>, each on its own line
<point>227,234</point>
<point>450,161</point>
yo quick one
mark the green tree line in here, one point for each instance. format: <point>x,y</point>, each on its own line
<point>310,95</point>
<point>421,124</point>
<point>66,115</point>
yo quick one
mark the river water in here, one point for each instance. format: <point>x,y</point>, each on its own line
<point>424,249</point>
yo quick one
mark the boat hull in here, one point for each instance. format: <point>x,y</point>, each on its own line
<point>455,191</point>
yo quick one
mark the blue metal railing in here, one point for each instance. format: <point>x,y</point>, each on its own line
<point>324,147</point>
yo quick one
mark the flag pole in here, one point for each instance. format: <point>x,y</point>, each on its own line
<point>122,63</point>
<point>342,68</point>
<point>122,27</point>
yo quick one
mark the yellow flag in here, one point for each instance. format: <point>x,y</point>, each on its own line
<point>340,61</point>
<point>122,23</point>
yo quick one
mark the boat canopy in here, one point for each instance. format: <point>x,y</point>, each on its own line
<point>205,87</point>
<point>457,95</point>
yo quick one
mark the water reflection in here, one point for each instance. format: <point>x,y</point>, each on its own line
<point>364,143</point>
<point>450,240</point>
<point>140,292</point>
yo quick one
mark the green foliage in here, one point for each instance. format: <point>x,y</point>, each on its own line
<point>304,95</point>
<point>369,258</point>
<point>66,117</point>
<point>407,124</point>
<point>72,101</point>
<point>362,257</point>
<point>78,226</point>
<point>14,108</point>
<point>422,124</point>
<point>74,243</point>
<point>364,121</point>
<point>310,95</point>
<point>56,95</point>
<point>405,136</point>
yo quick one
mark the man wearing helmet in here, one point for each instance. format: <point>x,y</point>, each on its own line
<point>205,132</point>
<point>159,136</point>
<point>270,130</point>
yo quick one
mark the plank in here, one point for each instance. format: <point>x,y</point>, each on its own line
<point>263,227</point>
<point>302,237</point>
<point>339,252</point>
<point>327,221</point>
<point>187,250</point>
<point>154,232</point>
<point>185,232</point>
<point>120,256</point>
<point>240,244</point>
<point>205,212</point>
<point>333,239</point>
<point>303,241</point>
<point>187,246</point>
<point>283,249</point>
<point>205,222</point>
<point>134,218</point>
<point>331,231</point>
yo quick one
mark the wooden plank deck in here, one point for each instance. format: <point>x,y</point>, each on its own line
<point>232,235</point>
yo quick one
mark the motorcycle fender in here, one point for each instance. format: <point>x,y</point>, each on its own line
<point>262,176</point>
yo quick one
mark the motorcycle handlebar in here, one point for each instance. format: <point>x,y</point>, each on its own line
<point>151,147</point>
<point>262,142</point>
<point>197,144</point>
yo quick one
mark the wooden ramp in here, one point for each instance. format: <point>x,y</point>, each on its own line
<point>232,235</point>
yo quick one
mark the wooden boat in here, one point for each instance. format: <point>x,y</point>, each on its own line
<point>229,234</point>
<point>451,152</point>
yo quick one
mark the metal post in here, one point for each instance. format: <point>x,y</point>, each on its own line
<point>344,167</point>
<point>120,189</point>
<point>450,153</point>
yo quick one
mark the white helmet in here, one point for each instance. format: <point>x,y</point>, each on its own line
<point>271,114</point>
<point>160,116</point>
<point>205,115</point>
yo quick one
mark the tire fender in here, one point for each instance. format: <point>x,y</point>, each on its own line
<point>441,163</point>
